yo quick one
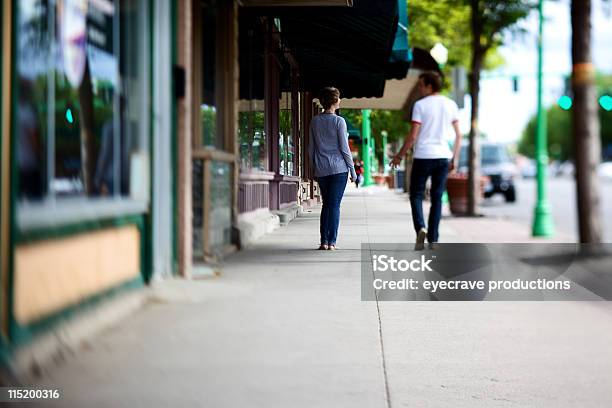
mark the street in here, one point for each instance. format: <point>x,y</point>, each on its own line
<point>562,198</point>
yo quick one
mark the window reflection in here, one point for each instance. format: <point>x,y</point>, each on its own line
<point>208,106</point>
<point>252,138</point>
<point>286,142</point>
<point>77,130</point>
<point>31,130</point>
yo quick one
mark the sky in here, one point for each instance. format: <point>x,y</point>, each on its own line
<point>504,113</point>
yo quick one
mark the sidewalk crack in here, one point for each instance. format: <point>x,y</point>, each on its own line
<point>380,334</point>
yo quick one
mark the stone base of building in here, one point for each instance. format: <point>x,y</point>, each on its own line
<point>255,224</point>
<point>288,214</point>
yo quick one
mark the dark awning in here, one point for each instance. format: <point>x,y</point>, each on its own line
<point>346,47</point>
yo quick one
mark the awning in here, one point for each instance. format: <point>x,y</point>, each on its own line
<point>399,94</point>
<point>346,47</point>
<point>295,3</point>
<point>401,56</point>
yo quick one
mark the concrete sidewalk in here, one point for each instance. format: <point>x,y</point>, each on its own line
<point>283,326</point>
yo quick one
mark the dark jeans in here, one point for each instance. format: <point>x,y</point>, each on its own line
<point>332,189</point>
<point>422,169</point>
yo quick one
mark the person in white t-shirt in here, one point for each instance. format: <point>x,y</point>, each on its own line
<point>434,120</point>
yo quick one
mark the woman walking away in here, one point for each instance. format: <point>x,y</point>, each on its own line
<point>330,154</point>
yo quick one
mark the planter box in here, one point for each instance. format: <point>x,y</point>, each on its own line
<point>390,180</point>
<point>379,179</point>
<point>457,188</point>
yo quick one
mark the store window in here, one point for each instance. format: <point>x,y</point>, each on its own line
<point>252,137</point>
<point>286,142</point>
<point>82,120</point>
<point>251,115</point>
<point>208,106</point>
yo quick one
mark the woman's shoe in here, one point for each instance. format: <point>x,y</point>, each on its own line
<point>323,247</point>
<point>331,248</point>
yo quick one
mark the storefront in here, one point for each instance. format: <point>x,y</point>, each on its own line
<point>146,138</point>
<point>78,129</point>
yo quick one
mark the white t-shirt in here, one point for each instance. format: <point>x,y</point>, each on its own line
<point>435,114</point>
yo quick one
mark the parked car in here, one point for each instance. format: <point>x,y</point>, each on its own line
<point>496,163</point>
<point>565,169</point>
<point>529,169</point>
<point>605,170</point>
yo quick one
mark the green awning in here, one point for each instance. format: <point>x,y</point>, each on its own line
<point>346,47</point>
<point>400,58</point>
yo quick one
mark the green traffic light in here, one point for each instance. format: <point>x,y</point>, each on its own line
<point>565,102</point>
<point>606,102</point>
<point>69,116</point>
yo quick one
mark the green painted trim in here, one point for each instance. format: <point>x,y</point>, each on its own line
<point>22,335</point>
<point>76,228</point>
<point>174,140</point>
<point>147,232</point>
<point>14,179</point>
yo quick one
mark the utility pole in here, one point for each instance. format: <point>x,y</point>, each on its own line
<point>587,144</point>
<point>542,222</point>
<point>366,135</point>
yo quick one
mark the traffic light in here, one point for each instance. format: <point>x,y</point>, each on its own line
<point>69,116</point>
<point>565,102</point>
<point>605,101</point>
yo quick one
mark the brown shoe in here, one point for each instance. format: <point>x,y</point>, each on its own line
<point>332,248</point>
<point>420,241</point>
<point>323,247</point>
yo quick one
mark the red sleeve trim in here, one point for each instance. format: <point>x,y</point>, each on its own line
<point>455,121</point>
<point>416,121</point>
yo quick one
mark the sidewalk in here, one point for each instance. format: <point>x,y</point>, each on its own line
<point>283,326</point>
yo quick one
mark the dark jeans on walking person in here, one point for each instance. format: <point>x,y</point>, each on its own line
<point>332,189</point>
<point>422,169</point>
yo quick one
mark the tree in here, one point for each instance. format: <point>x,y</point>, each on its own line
<point>489,20</point>
<point>446,22</point>
<point>441,21</point>
<point>558,135</point>
<point>585,125</point>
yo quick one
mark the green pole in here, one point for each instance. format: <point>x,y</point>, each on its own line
<point>384,150</point>
<point>366,151</point>
<point>373,159</point>
<point>542,222</point>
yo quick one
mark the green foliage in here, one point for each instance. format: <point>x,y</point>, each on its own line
<point>208,115</point>
<point>443,21</point>
<point>558,133</point>
<point>448,22</point>
<point>497,17</point>
<point>252,139</point>
<point>559,127</point>
<point>391,121</point>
